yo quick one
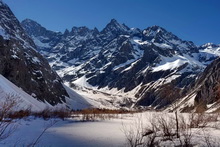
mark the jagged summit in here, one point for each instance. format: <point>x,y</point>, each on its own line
<point>82,31</point>
<point>115,27</point>
<point>114,22</point>
<point>157,34</point>
<point>156,28</point>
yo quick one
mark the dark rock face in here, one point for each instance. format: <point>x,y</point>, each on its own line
<point>150,62</point>
<point>208,85</point>
<point>203,93</point>
<point>22,65</point>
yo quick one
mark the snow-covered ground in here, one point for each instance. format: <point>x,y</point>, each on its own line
<point>68,133</point>
<point>108,133</point>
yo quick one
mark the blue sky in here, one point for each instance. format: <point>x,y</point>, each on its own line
<point>194,20</point>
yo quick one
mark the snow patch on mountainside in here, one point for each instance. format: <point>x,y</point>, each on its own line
<point>163,45</point>
<point>39,43</point>
<point>213,51</point>
<point>76,101</point>
<point>169,65</point>
<point>82,82</point>
<point>3,33</point>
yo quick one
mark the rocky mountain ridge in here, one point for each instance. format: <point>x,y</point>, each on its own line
<point>148,68</point>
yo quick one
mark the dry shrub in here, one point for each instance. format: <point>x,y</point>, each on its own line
<point>160,128</point>
<point>140,135</point>
<point>7,125</point>
<point>185,132</point>
<point>61,113</point>
<point>201,120</point>
<point>166,124</point>
<point>19,114</point>
<point>94,114</point>
<point>48,113</point>
<point>9,105</point>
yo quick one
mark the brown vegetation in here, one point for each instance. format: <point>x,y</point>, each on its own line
<point>94,114</point>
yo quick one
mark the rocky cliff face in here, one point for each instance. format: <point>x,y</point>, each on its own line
<point>204,94</point>
<point>153,67</point>
<point>208,84</point>
<point>22,65</point>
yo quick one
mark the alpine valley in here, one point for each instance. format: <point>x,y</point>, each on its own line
<point>117,67</point>
<point>116,86</point>
<point>122,67</point>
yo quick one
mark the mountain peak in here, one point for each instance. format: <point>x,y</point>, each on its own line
<point>115,28</point>
<point>34,28</point>
<point>157,33</point>
<point>153,30</point>
<point>155,27</point>
<point>82,31</point>
<point>113,21</point>
<point>209,45</point>
<point>66,32</point>
<point>30,22</point>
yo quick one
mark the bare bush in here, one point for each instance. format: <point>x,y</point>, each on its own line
<point>166,124</point>
<point>159,129</point>
<point>140,135</point>
<point>201,120</point>
<point>7,124</point>
<point>48,113</point>
<point>186,132</point>
<point>135,133</point>
<point>95,114</point>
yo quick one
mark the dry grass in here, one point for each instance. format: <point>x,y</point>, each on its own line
<point>95,114</point>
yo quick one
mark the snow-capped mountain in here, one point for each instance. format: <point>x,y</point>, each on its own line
<point>25,67</point>
<point>150,67</point>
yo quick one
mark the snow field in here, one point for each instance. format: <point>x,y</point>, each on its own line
<point>72,132</point>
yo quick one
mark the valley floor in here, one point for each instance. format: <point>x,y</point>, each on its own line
<point>68,133</point>
<point>109,133</point>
